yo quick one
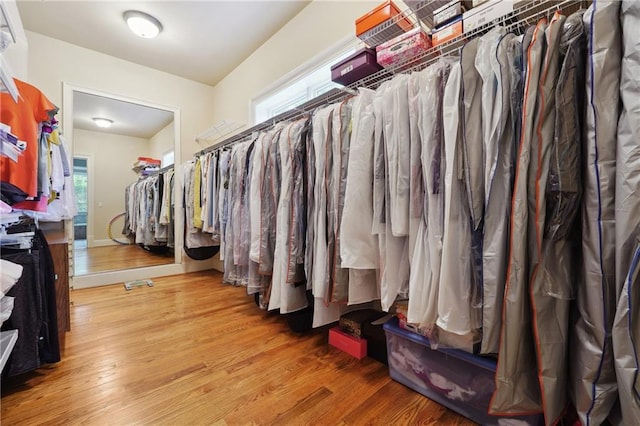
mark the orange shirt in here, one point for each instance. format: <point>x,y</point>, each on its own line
<point>24,116</point>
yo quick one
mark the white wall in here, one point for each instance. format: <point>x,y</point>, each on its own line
<point>161,142</point>
<point>113,157</point>
<point>52,62</point>
<point>316,28</point>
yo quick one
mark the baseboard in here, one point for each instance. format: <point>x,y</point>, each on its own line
<point>103,243</point>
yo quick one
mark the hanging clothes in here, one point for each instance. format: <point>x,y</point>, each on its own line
<point>456,313</point>
<point>425,272</point>
<point>550,315</point>
<point>358,245</point>
<point>626,325</point>
<point>517,389</point>
<point>593,380</point>
<point>506,63</point>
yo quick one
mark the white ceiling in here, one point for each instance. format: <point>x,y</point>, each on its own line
<point>201,40</point>
<point>128,119</point>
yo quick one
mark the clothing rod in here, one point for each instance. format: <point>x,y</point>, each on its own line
<point>526,14</point>
<point>299,111</point>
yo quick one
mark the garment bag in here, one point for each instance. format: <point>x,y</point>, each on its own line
<point>499,170</point>
<point>423,289</point>
<point>626,327</point>
<point>517,389</point>
<point>593,379</point>
<point>455,312</point>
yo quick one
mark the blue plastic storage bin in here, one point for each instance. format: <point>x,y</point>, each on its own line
<point>456,379</point>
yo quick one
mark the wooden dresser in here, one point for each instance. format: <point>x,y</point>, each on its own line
<point>60,253</point>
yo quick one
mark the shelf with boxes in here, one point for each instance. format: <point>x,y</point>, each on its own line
<point>514,15</point>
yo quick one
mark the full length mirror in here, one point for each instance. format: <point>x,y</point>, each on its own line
<point>122,157</point>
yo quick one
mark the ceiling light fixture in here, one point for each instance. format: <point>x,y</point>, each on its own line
<point>142,24</point>
<point>102,122</point>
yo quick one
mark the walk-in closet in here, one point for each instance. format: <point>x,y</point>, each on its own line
<point>313,212</point>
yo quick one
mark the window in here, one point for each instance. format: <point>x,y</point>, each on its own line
<point>167,158</point>
<point>306,83</point>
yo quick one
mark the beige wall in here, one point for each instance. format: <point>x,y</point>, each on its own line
<point>162,141</point>
<point>315,29</point>
<point>112,157</point>
<point>52,62</point>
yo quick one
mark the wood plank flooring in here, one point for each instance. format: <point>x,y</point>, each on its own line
<point>109,258</point>
<point>191,350</point>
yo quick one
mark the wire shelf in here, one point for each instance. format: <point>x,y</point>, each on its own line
<point>525,14</point>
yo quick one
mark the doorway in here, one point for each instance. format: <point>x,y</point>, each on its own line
<point>81,185</point>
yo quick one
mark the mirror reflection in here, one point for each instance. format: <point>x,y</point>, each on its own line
<point>117,144</point>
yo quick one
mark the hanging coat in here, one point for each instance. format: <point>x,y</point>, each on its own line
<point>550,315</point>
<point>593,380</point>
<point>425,266</point>
<point>358,245</point>
<point>339,283</point>
<point>398,150</point>
<point>455,312</point>
<point>517,389</point>
<point>284,296</point>
<point>499,189</point>
<point>392,108</point>
<point>416,182</point>
<point>626,326</point>
<point>323,312</point>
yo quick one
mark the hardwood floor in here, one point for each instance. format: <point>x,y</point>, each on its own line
<point>109,258</point>
<point>191,350</point>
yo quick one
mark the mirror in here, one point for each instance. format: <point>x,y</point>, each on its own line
<point>136,141</point>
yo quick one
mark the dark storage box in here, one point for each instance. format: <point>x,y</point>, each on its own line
<point>458,380</point>
<point>353,322</point>
<point>356,67</point>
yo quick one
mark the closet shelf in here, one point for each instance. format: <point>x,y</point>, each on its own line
<point>525,13</point>
<point>417,13</point>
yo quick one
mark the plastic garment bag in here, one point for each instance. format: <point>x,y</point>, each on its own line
<point>359,247</point>
<point>310,175</point>
<point>592,361</point>
<point>339,283</point>
<point>257,176</point>
<point>396,137</point>
<point>223,212</point>
<point>517,389</point>
<point>472,149</point>
<point>498,190</point>
<point>416,182</point>
<point>323,312</point>
<point>550,314</point>
<point>626,327</point>
<point>284,296</point>
<point>391,106</point>
<point>425,266</point>
<point>455,313</point>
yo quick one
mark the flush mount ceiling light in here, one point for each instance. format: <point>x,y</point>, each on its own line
<point>142,24</point>
<point>102,122</point>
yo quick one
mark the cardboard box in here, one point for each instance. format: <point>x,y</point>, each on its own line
<point>486,13</point>
<point>379,15</point>
<point>355,67</point>
<point>448,32</point>
<point>347,343</point>
<point>449,11</point>
<point>402,49</point>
